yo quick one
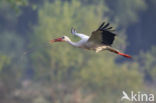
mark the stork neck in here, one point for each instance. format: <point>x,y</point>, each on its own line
<point>72,43</point>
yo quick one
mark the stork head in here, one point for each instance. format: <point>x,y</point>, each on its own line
<point>61,39</point>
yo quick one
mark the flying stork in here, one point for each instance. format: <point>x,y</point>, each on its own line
<point>100,39</point>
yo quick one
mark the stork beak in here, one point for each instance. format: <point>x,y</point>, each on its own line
<point>56,40</point>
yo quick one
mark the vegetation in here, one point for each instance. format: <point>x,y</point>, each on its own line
<point>34,71</point>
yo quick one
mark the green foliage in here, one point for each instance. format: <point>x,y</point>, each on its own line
<point>11,66</point>
<point>104,77</point>
<point>15,4</point>
<point>147,64</point>
<point>60,72</point>
<point>11,44</point>
<point>7,15</point>
<point>126,12</point>
<point>11,56</point>
<point>4,60</point>
<point>72,67</point>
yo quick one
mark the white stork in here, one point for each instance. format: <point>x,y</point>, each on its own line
<point>100,39</point>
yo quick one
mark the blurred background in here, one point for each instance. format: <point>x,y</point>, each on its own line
<point>32,71</point>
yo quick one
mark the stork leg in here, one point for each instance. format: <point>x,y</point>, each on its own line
<point>117,52</point>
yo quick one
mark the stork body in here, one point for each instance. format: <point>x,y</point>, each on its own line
<point>83,43</point>
<point>87,45</point>
<point>100,39</point>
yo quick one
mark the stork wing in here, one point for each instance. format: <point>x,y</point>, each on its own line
<point>82,36</point>
<point>103,35</point>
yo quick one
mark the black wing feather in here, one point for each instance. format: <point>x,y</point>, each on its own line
<point>101,26</point>
<point>109,28</point>
<point>107,36</point>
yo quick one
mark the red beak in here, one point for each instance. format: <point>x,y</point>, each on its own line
<point>57,40</point>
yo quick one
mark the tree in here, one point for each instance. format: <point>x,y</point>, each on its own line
<point>16,4</point>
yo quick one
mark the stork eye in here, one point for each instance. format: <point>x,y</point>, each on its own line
<point>63,37</point>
